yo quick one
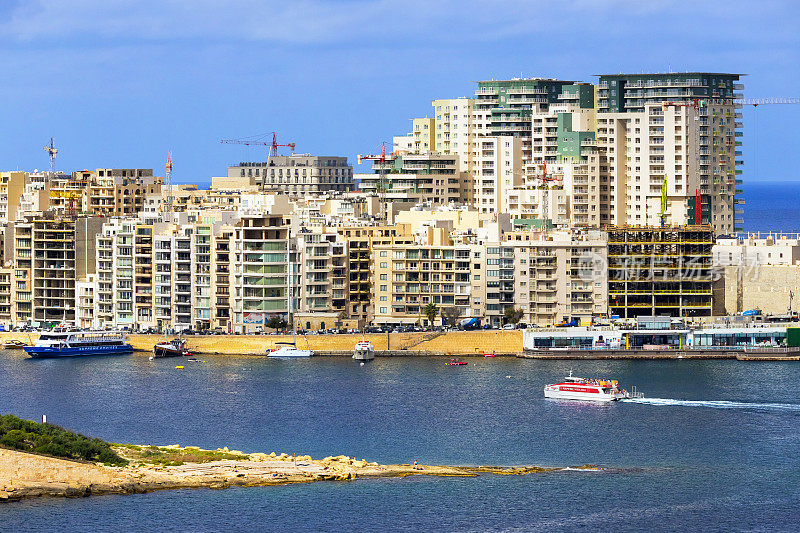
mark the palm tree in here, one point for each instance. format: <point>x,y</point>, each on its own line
<point>430,311</point>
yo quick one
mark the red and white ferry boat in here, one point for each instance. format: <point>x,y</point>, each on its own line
<point>593,390</point>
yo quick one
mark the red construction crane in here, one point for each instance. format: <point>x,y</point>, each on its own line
<point>261,140</point>
<point>546,191</point>
<point>693,103</point>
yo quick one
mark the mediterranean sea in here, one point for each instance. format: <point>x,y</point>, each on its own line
<point>715,448</point>
<point>772,206</point>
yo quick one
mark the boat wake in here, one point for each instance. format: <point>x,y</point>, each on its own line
<point>719,404</point>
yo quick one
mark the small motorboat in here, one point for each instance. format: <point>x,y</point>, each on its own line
<point>456,362</point>
<point>489,355</point>
<point>364,351</point>
<point>13,344</point>
<point>592,390</point>
<point>173,348</point>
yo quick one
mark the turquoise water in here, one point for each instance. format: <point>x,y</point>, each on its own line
<point>714,448</point>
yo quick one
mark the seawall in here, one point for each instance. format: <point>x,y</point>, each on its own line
<point>459,343</point>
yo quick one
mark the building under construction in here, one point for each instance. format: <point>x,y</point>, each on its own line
<point>660,271</point>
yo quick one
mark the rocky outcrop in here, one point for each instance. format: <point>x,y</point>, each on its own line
<point>25,475</point>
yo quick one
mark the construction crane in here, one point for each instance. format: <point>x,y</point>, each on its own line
<point>262,140</point>
<point>382,185</point>
<point>694,103</point>
<point>52,151</point>
<point>259,140</point>
<point>755,102</point>
<point>546,180</point>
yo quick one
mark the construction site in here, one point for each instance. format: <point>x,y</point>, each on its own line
<point>660,271</point>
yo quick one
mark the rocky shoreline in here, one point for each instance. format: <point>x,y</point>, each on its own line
<point>24,475</point>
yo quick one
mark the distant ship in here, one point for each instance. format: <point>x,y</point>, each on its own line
<point>74,343</point>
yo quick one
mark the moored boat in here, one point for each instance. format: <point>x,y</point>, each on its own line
<point>13,344</point>
<point>173,348</point>
<point>584,389</point>
<point>364,351</point>
<point>290,350</point>
<point>456,362</point>
<point>75,343</point>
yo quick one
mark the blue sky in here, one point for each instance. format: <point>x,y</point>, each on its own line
<point>118,83</point>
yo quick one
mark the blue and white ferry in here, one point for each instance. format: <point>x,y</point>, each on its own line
<point>72,343</point>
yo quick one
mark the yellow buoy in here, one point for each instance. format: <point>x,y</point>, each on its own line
<point>179,366</point>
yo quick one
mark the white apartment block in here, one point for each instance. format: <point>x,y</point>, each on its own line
<point>419,141</point>
<point>454,130</point>
<point>498,170</point>
<point>757,249</point>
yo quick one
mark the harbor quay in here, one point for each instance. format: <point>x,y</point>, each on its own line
<point>653,340</point>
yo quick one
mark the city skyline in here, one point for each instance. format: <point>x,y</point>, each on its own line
<point>118,87</point>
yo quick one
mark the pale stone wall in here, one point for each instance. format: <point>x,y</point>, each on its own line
<point>764,287</point>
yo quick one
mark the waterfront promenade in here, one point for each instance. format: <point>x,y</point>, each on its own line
<point>450,343</point>
<point>454,343</point>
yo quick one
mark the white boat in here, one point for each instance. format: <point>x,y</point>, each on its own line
<point>592,390</point>
<point>364,351</point>
<point>289,350</point>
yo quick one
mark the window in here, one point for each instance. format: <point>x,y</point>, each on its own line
<point>383,277</point>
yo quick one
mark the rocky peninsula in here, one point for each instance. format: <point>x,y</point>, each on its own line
<point>26,475</point>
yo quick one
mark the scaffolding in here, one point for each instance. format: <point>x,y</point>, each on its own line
<point>660,271</point>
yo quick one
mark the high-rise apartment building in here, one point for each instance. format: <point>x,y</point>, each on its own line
<point>678,129</point>
<point>323,287</point>
<point>264,272</point>
<point>602,153</point>
<point>49,254</point>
